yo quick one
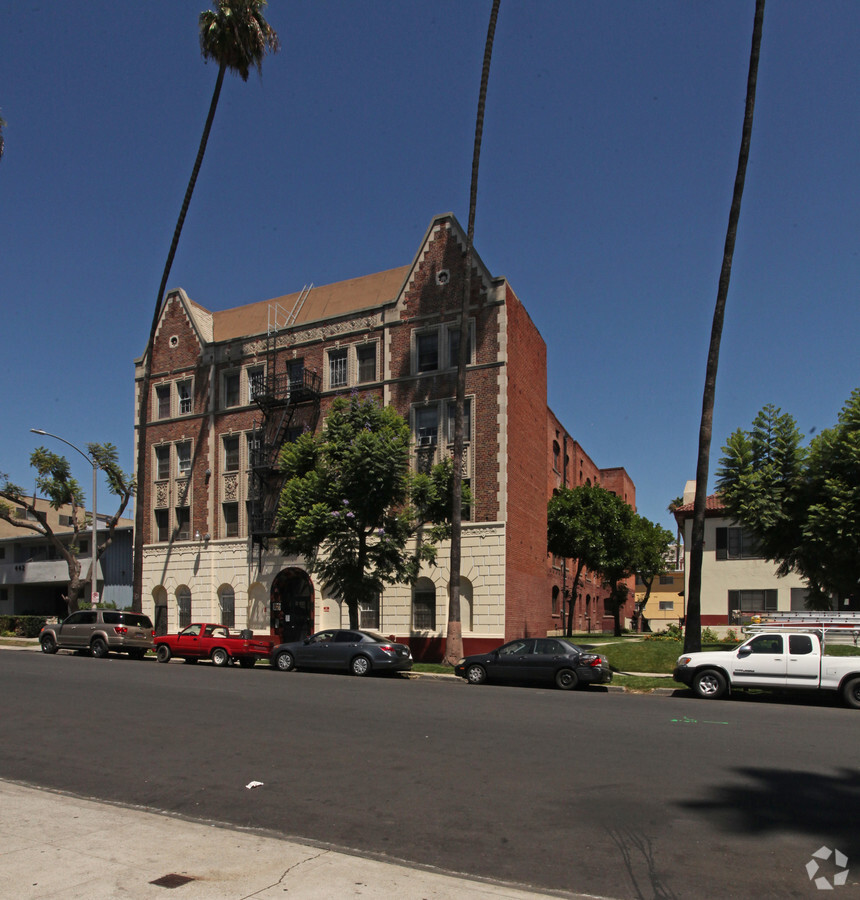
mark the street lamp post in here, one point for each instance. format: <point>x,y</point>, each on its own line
<point>94,555</point>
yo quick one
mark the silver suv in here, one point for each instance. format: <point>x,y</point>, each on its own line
<point>100,631</point>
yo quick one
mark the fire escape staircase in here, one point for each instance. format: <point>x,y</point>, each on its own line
<point>289,403</point>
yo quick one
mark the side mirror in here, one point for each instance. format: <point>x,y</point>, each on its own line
<point>744,651</point>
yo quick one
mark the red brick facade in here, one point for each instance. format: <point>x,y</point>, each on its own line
<point>390,336</point>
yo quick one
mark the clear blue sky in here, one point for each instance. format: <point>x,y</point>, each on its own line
<point>610,148</point>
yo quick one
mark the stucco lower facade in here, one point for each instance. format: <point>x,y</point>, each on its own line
<point>204,569</point>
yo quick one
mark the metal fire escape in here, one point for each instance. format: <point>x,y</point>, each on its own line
<point>289,402</point>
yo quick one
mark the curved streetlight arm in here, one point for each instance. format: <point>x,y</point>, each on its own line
<point>86,456</point>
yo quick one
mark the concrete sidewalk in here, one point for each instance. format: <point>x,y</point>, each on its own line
<point>57,846</point>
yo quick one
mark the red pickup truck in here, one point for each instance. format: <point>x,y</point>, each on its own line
<point>215,642</point>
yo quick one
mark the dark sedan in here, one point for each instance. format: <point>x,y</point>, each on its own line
<point>537,660</point>
<point>359,652</point>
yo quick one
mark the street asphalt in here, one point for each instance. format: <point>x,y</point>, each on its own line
<point>55,845</point>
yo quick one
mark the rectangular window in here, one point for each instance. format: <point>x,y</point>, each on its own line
<point>183,457</point>
<point>467,420</point>
<point>666,579</point>
<point>227,601</point>
<point>231,521</point>
<point>296,374</point>
<point>231,389</point>
<point>337,368</point>
<point>427,351</point>
<point>256,383</point>
<point>366,356</point>
<point>162,525</point>
<point>183,391</point>
<point>231,453</point>
<point>736,543</point>
<point>255,445</point>
<point>183,601</point>
<point>426,425</point>
<point>162,462</point>
<point>424,611</point>
<point>183,523</point>
<point>752,601</point>
<point>66,521</point>
<point>667,604</point>
<point>368,613</point>
<point>162,397</point>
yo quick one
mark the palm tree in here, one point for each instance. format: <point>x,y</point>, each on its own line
<point>677,503</point>
<point>693,634</point>
<point>237,37</point>
<point>454,634</point>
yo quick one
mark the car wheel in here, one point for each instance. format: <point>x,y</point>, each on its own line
<point>247,662</point>
<point>360,666</point>
<point>48,644</point>
<point>220,657</point>
<point>162,653</point>
<point>284,661</point>
<point>566,679</point>
<point>710,684</point>
<point>476,674</point>
<point>851,693</point>
<point>98,648</point>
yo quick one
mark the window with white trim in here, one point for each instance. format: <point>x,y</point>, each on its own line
<point>366,362</point>
<point>162,401</point>
<point>426,425</point>
<point>338,368</point>
<point>231,453</point>
<point>183,393</point>
<point>427,351</point>
<point>230,389</point>
<point>183,458</point>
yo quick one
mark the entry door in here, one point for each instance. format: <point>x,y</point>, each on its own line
<point>761,661</point>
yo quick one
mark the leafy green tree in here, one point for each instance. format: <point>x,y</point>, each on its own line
<point>352,507</point>
<point>55,482</point>
<point>652,544</point>
<point>693,631</point>
<point>575,530</point>
<point>801,503</point>
<point>596,528</point>
<point>237,37</point>
<point>454,634</point>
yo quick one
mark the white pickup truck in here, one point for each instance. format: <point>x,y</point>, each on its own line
<point>772,659</point>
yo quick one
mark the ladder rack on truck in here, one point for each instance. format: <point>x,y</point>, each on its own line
<point>828,624</point>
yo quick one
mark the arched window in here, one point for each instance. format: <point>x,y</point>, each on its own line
<point>183,603</point>
<point>555,595</point>
<point>227,602</point>
<point>424,605</point>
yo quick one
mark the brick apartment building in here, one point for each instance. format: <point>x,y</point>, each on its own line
<point>228,388</point>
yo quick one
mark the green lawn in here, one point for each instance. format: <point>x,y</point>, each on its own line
<point>650,656</point>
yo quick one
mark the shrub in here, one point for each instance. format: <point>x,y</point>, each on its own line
<point>672,633</point>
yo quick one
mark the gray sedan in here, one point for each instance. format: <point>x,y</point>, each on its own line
<point>359,652</point>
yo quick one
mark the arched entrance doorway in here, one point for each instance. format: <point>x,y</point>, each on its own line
<point>292,605</point>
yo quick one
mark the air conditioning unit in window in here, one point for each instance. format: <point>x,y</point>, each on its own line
<point>426,439</point>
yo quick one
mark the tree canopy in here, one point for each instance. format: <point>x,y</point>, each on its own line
<point>603,534</point>
<point>801,503</point>
<point>352,507</point>
<point>56,484</point>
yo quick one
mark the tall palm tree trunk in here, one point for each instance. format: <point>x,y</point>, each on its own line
<point>454,635</point>
<point>142,501</point>
<point>693,634</point>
